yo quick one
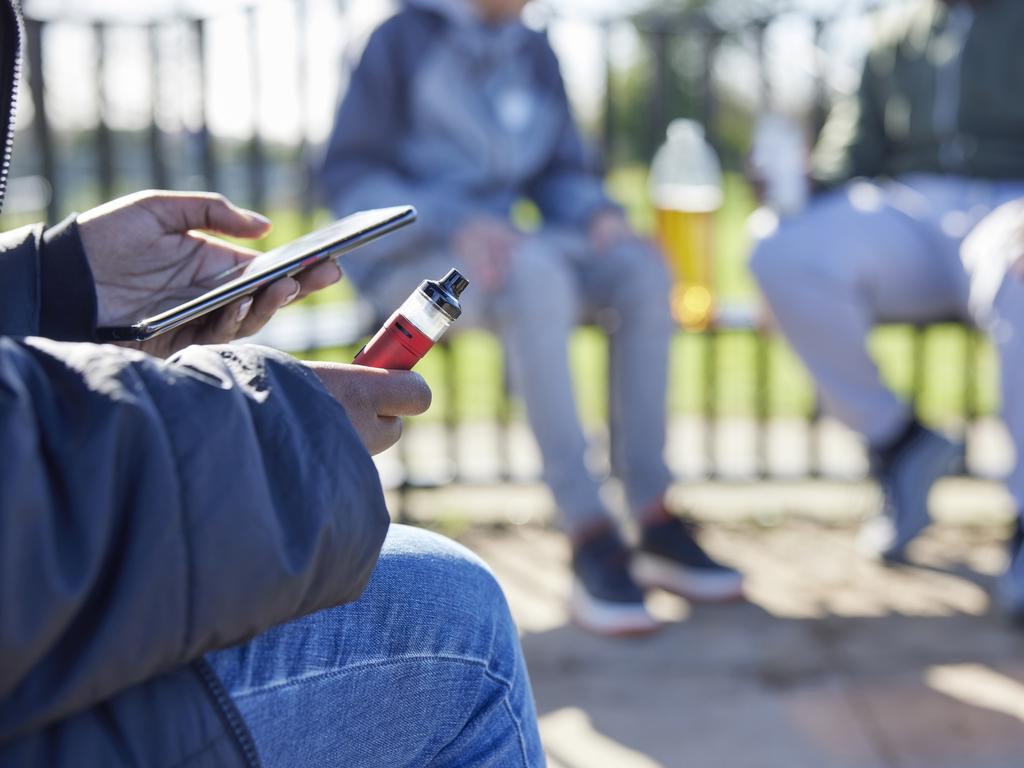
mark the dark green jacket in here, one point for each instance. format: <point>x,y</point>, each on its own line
<point>942,92</point>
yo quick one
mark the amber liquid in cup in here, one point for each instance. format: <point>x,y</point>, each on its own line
<point>687,240</point>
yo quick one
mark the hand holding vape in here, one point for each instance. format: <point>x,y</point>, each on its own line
<point>415,326</point>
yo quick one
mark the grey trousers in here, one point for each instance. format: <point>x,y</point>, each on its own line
<point>553,281</point>
<point>869,253</point>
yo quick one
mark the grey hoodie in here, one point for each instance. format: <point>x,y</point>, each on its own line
<point>458,118</point>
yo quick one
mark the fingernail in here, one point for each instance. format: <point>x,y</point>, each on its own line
<point>292,296</point>
<point>243,309</point>
<point>258,217</point>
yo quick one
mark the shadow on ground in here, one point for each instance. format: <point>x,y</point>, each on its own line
<point>832,662</point>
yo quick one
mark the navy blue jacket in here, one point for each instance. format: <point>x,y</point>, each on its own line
<point>152,511</point>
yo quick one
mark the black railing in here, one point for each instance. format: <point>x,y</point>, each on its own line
<point>75,177</point>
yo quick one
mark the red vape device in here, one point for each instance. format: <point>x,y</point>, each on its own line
<point>416,325</point>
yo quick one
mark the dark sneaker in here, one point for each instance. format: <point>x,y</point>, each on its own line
<point>906,474</point>
<point>1010,588</point>
<point>670,558</point>
<point>605,599</point>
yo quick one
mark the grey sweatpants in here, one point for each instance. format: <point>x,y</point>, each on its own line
<point>869,253</point>
<point>554,280</point>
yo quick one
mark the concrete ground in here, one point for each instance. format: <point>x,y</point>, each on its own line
<point>832,663</point>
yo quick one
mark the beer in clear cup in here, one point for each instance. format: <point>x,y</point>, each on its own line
<point>686,191</point>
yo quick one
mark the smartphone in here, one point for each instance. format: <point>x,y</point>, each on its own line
<point>331,242</point>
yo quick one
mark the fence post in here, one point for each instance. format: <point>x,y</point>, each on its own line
<point>711,338</point>
<point>821,105</point>
<point>765,96</point>
<point>255,157</point>
<point>104,143</point>
<point>209,160</point>
<point>709,106</point>
<point>918,340</point>
<point>307,196</point>
<point>608,117</point>
<point>451,414</point>
<point>41,122</point>
<point>970,402</point>
<point>762,399</point>
<point>157,166</point>
<point>660,87</point>
<point>814,463</point>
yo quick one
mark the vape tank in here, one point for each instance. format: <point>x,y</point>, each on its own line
<point>415,326</point>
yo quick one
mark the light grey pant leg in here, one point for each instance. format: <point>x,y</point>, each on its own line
<point>536,312</point>
<point>992,255</point>
<point>551,279</point>
<point>855,257</point>
<point>1007,334</point>
<point>631,283</point>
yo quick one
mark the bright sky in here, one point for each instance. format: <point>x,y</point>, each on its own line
<point>331,31</point>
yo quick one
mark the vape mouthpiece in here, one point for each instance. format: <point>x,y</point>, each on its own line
<point>444,293</point>
<point>454,282</point>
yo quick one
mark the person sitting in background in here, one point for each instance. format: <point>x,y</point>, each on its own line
<point>459,109</point>
<point>178,537</point>
<point>994,255</point>
<point>932,141</point>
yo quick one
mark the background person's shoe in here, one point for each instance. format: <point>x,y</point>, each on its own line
<point>906,474</point>
<point>670,558</point>
<point>1010,587</point>
<point>605,599</point>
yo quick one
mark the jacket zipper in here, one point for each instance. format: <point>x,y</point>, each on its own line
<point>10,97</point>
<point>228,711</point>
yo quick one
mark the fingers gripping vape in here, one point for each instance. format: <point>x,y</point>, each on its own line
<point>416,325</point>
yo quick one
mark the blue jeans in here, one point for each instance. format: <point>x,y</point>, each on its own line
<point>425,669</point>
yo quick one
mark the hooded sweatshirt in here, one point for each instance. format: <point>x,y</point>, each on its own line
<point>459,118</point>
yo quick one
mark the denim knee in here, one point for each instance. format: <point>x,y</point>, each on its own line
<point>433,562</point>
<point>448,593</point>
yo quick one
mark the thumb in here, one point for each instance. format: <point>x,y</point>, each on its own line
<point>182,211</point>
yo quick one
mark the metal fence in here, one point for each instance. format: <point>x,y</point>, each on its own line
<point>79,167</point>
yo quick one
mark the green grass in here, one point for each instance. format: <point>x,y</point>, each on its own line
<point>476,363</point>
<point>478,370</point>
<point>478,359</point>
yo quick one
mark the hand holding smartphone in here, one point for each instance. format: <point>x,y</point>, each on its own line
<point>341,237</point>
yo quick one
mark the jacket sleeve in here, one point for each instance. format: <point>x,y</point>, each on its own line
<point>46,283</point>
<point>151,511</point>
<point>853,141</point>
<point>19,281</point>
<point>567,190</point>
<point>361,167</point>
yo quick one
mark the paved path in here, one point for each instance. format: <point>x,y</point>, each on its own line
<point>833,663</point>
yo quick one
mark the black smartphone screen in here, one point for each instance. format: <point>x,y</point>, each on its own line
<point>332,241</point>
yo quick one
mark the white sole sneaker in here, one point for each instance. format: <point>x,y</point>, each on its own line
<point>651,571</point>
<point>606,618</point>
